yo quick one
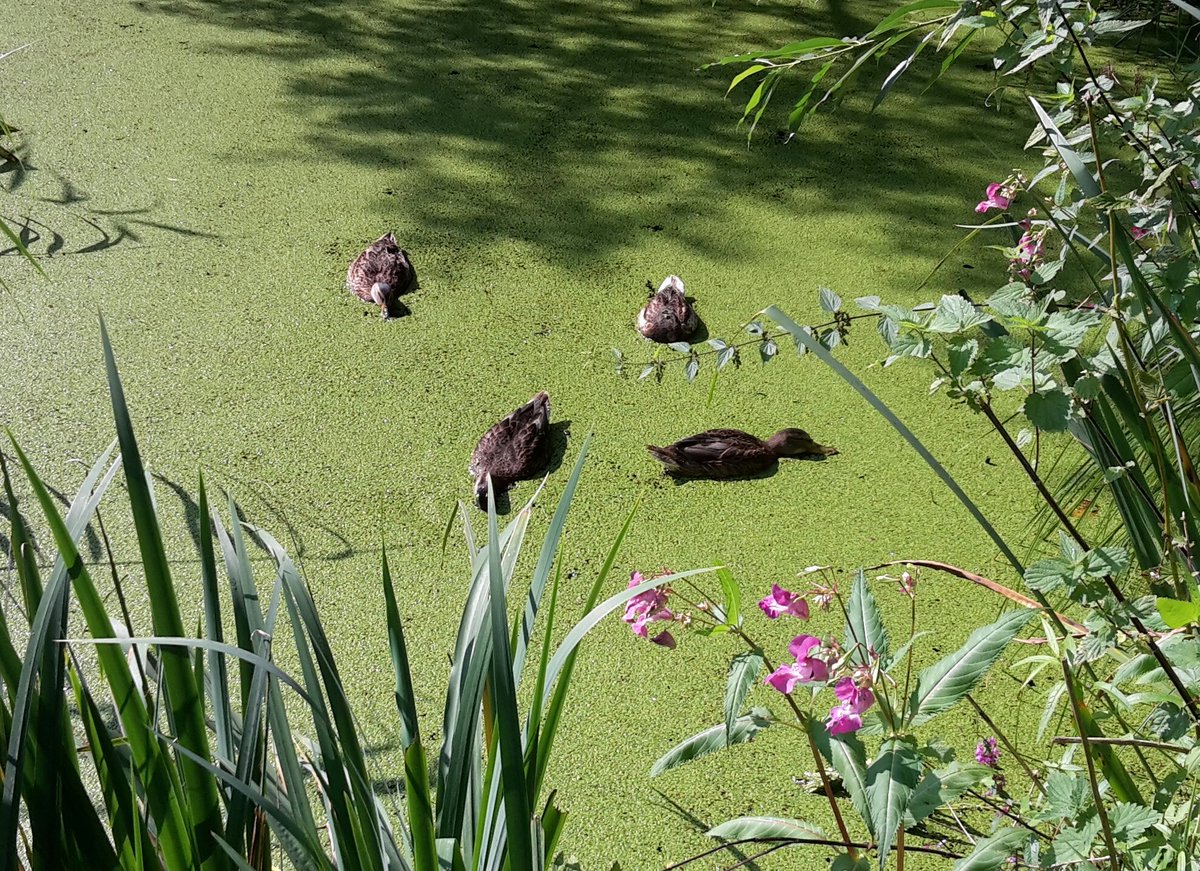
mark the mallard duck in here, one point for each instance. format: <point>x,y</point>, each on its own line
<point>731,453</point>
<point>381,273</point>
<point>515,448</point>
<point>668,316</point>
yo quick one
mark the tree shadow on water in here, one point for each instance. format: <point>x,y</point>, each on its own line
<point>574,126</point>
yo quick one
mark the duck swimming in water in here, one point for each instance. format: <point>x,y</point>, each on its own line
<point>381,273</point>
<point>668,316</point>
<point>731,453</point>
<point>517,447</point>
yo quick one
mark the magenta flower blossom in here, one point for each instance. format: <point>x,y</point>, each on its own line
<point>987,753</point>
<point>806,669</point>
<point>998,197</point>
<point>646,608</point>
<point>908,585</point>
<point>781,602</point>
<point>847,715</point>
<point>1030,247</point>
<point>1138,232</point>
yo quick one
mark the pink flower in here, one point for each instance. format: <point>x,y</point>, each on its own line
<point>806,669</point>
<point>646,608</point>
<point>822,596</point>
<point>664,639</point>
<point>854,701</point>
<point>987,753</point>
<point>998,197</point>
<point>1138,232</point>
<point>908,585</point>
<point>781,602</point>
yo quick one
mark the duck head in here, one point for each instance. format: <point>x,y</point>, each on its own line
<point>481,491</point>
<point>381,293</point>
<point>672,283</point>
<point>797,443</point>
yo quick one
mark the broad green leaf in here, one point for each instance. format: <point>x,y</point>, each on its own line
<point>865,631</point>
<point>944,683</point>
<point>1066,794</point>
<point>896,18</point>
<point>961,355</point>
<point>765,828</point>
<point>1048,410</point>
<point>991,854</point>
<point>1048,575</point>
<point>1102,561</point>
<point>845,862</point>
<point>908,345</point>
<point>1177,614</point>
<point>1129,821</point>
<point>743,672</point>
<point>891,780</point>
<point>955,314</point>
<point>713,739</point>
<point>938,788</point>
<point>1083,176</point>
<point>1074,843</point>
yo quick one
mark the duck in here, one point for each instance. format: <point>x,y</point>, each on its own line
<point>381,273</point>
<point>731,453</point>
<point>517,447</point>
<point>668,316</point>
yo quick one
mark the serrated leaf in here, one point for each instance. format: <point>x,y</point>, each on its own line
<point>961,355</point>
<point>767,349</point>
<point>848,757</point>
<point>725,355</point>
<point>845,862</point>
<point>713,739</point>
<point>1129,821</point>
<point>743,672</point>
<point>891,780</point>
<point>754,328</point>
<point>1048,410</point>
<point>1075,844</point>
<point>829,300</point>
<point>692,368</point>
<point>908,345</point>
<point>864,625</point>
<point>681,347</point>
<point>1066,794</point>
<point>1046,271</point>
<point>831,339</point>
<point>944,683</point>
<point>955,314</point>
<point>991,854</point>
<point>647,372</point>
<point>743,828</point>
<point>939,788</point>
<point>1047,575</point>
<point>1103,561</point>
<point>870,303</point>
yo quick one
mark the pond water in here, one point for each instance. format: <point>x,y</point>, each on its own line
<point>201,172</point>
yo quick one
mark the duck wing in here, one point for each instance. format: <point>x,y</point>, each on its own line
<point>518,446</point>
<point>667,317</point>
<point>384,261</point>
<point>715,453</point>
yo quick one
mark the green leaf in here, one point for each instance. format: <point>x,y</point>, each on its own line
<point>1066,794</point>
<point>733,597</point>
<point>830,301</point>
<point>1048,410</point>
<point>1102,561</point>
<point>955,314</point>
<point>909,345</point>
<point>765,828</point>
<point>849,759</point>
<point>961,355</point>
<point>1177,614</point>
<point>1129,821</point>
<point>713,739</point>
<point>845,862</point>
<point>896,18</point>
<point>891,780</point>
<point>944,683</point>
<point>743,672</point>
<point>990,854</point>
<point>865,631</point>
<point>1048,575</point>
<point>1083,176</point>
<point>938,788</point>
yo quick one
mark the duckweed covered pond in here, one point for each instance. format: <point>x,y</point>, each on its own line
<point>201,172</point>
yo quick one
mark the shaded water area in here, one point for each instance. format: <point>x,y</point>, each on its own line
<point>201,172</point>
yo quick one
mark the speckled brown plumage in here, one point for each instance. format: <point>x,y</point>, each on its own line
<point>731,453</point>
<point>381,273</point>
<point>515,448</point>
<point>668,316</point>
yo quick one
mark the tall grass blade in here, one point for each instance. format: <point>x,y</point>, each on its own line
<point>218,685</point>
<point>186,708</point>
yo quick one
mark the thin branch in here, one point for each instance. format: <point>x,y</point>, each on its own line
<point>1123,742</point>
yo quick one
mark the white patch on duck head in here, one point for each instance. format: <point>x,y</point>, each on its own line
<point>379,293</point>
<point>672,282</point>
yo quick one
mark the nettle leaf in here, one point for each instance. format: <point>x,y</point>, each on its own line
<point>765,827</point>
<point>888,329</point>
<point>844,862</point>
<point>754,328</point>
<point>891,780</point>
<point>1046,271</point>
<point>1066,794</point>
<point>909,345</point>
<point>1075,844</point>
<point>767,349</point>
<point>938,788</point>
<point>1012,301</point>
<point>692,369</point>
<point>830,301</point>
<point>870,303</point>
<point>681,347</point>
<point>1103,561</point>
<point>1048,575</point>
<point>831,339</point>
<point>1129,821</point>
<point>955,314</point>
<point>992,853</point>
<point>943,684</point>
<point>1070,328</point>
<point>961,355</point>
<point>864,624</point>
<point>1087,387</point>
<point>713,739</point>
<point>726,355</point>
<point>1048,410</point>
<point>743,672</point>
<point>1000,353</point>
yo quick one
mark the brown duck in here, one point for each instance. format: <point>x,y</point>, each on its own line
<point>517,447</point>
<point>668,316</point>
<point>381,273</point>
<point>731,453</point>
